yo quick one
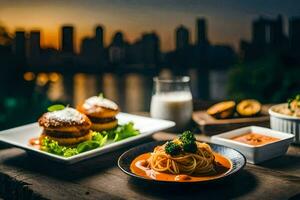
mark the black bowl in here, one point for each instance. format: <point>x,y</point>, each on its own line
<point>237,159</point>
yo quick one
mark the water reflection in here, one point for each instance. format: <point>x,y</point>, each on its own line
<point>131,91</point>
<point>134,92</point>
<point>194,82</point>
<point>42,79</point>
<point>217,79</point>
<point>56,90</point>
<point>109,87</point>
<point>85,85</point>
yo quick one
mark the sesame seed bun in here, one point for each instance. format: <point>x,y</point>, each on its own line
<point>67,126</point>
<point>99,107</point>
<point>68,119</point>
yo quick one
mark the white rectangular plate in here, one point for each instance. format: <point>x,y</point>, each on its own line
<point>20,137</point>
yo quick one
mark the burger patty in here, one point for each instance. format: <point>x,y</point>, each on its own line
<point>68,141</point>
<point>102,120</point>
<point>63,134</point>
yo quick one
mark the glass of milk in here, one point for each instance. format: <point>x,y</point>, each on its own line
<point>172,100</point>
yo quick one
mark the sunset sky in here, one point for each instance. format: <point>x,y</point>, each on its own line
<point>228,20</point>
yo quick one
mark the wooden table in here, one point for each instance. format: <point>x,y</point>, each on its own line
<point>24,176</point>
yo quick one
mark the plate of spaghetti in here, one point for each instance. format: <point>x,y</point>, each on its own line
<point>182,160</point>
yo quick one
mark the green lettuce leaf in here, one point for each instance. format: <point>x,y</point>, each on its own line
<point>70,152</point>
<point>99,139</point>
<point>55,107</point>
<point>87,145</point>
<point>125,131</point>
<point>52,146</point>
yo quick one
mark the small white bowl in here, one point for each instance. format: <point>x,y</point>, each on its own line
<point>285,123</point>
<point>256,154</point>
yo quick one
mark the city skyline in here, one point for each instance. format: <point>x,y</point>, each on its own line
<point>267,36</point>
<point>225,25</point>
<point>67,32</point>
<point>181,35</point>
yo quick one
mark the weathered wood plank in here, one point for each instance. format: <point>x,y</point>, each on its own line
<point>24,176</point>
<point>21,181</point>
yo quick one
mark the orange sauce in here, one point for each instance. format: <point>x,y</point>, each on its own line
<point>139,167</point>
<point>35,142</point>
<point>255,139</point>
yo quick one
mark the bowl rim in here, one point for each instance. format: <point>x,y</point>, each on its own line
<point>279,115</point>
<point>231,172</point>
<point>244,130</point>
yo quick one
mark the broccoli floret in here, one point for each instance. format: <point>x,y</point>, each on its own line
<point>188,142</point>
<point>172,148</point>
<point>187,137</point>
<point>189,147</point>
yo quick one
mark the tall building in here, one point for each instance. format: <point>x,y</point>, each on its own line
<point>88,51</point>
<point>20,45</point>
<point>145,51</point>
<point>34,45</point>
<point>267,37</point>
<point>150,48</point>
<point>276,32</point>
<point>182,37</point>
<point>117,49</point>
<point>294,33</point>
<point>134,54</point>
<point>87,46</point>
<point>67,39</point>
<point>268,32</point>
<point>201,31</point>
<point>259,32</point>
<point>99,36</point>
<point>118,39</point>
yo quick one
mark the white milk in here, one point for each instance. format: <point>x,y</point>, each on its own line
<point>174,106</point>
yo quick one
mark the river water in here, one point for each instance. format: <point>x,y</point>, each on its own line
<point>131,91</point>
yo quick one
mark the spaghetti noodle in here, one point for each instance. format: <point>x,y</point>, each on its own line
<point>198,163</point>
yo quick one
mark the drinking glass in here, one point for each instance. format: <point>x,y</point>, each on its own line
<point>172,100</point>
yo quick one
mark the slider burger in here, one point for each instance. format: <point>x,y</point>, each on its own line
<point>67,126</point>
<point>101,111</point>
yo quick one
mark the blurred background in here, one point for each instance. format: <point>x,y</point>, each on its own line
<point>65,51</point>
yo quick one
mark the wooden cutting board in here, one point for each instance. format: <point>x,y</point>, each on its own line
<point>211,126</point>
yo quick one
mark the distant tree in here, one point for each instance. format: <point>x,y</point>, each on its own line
<point>5,37</point>
<point>268,80</point>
